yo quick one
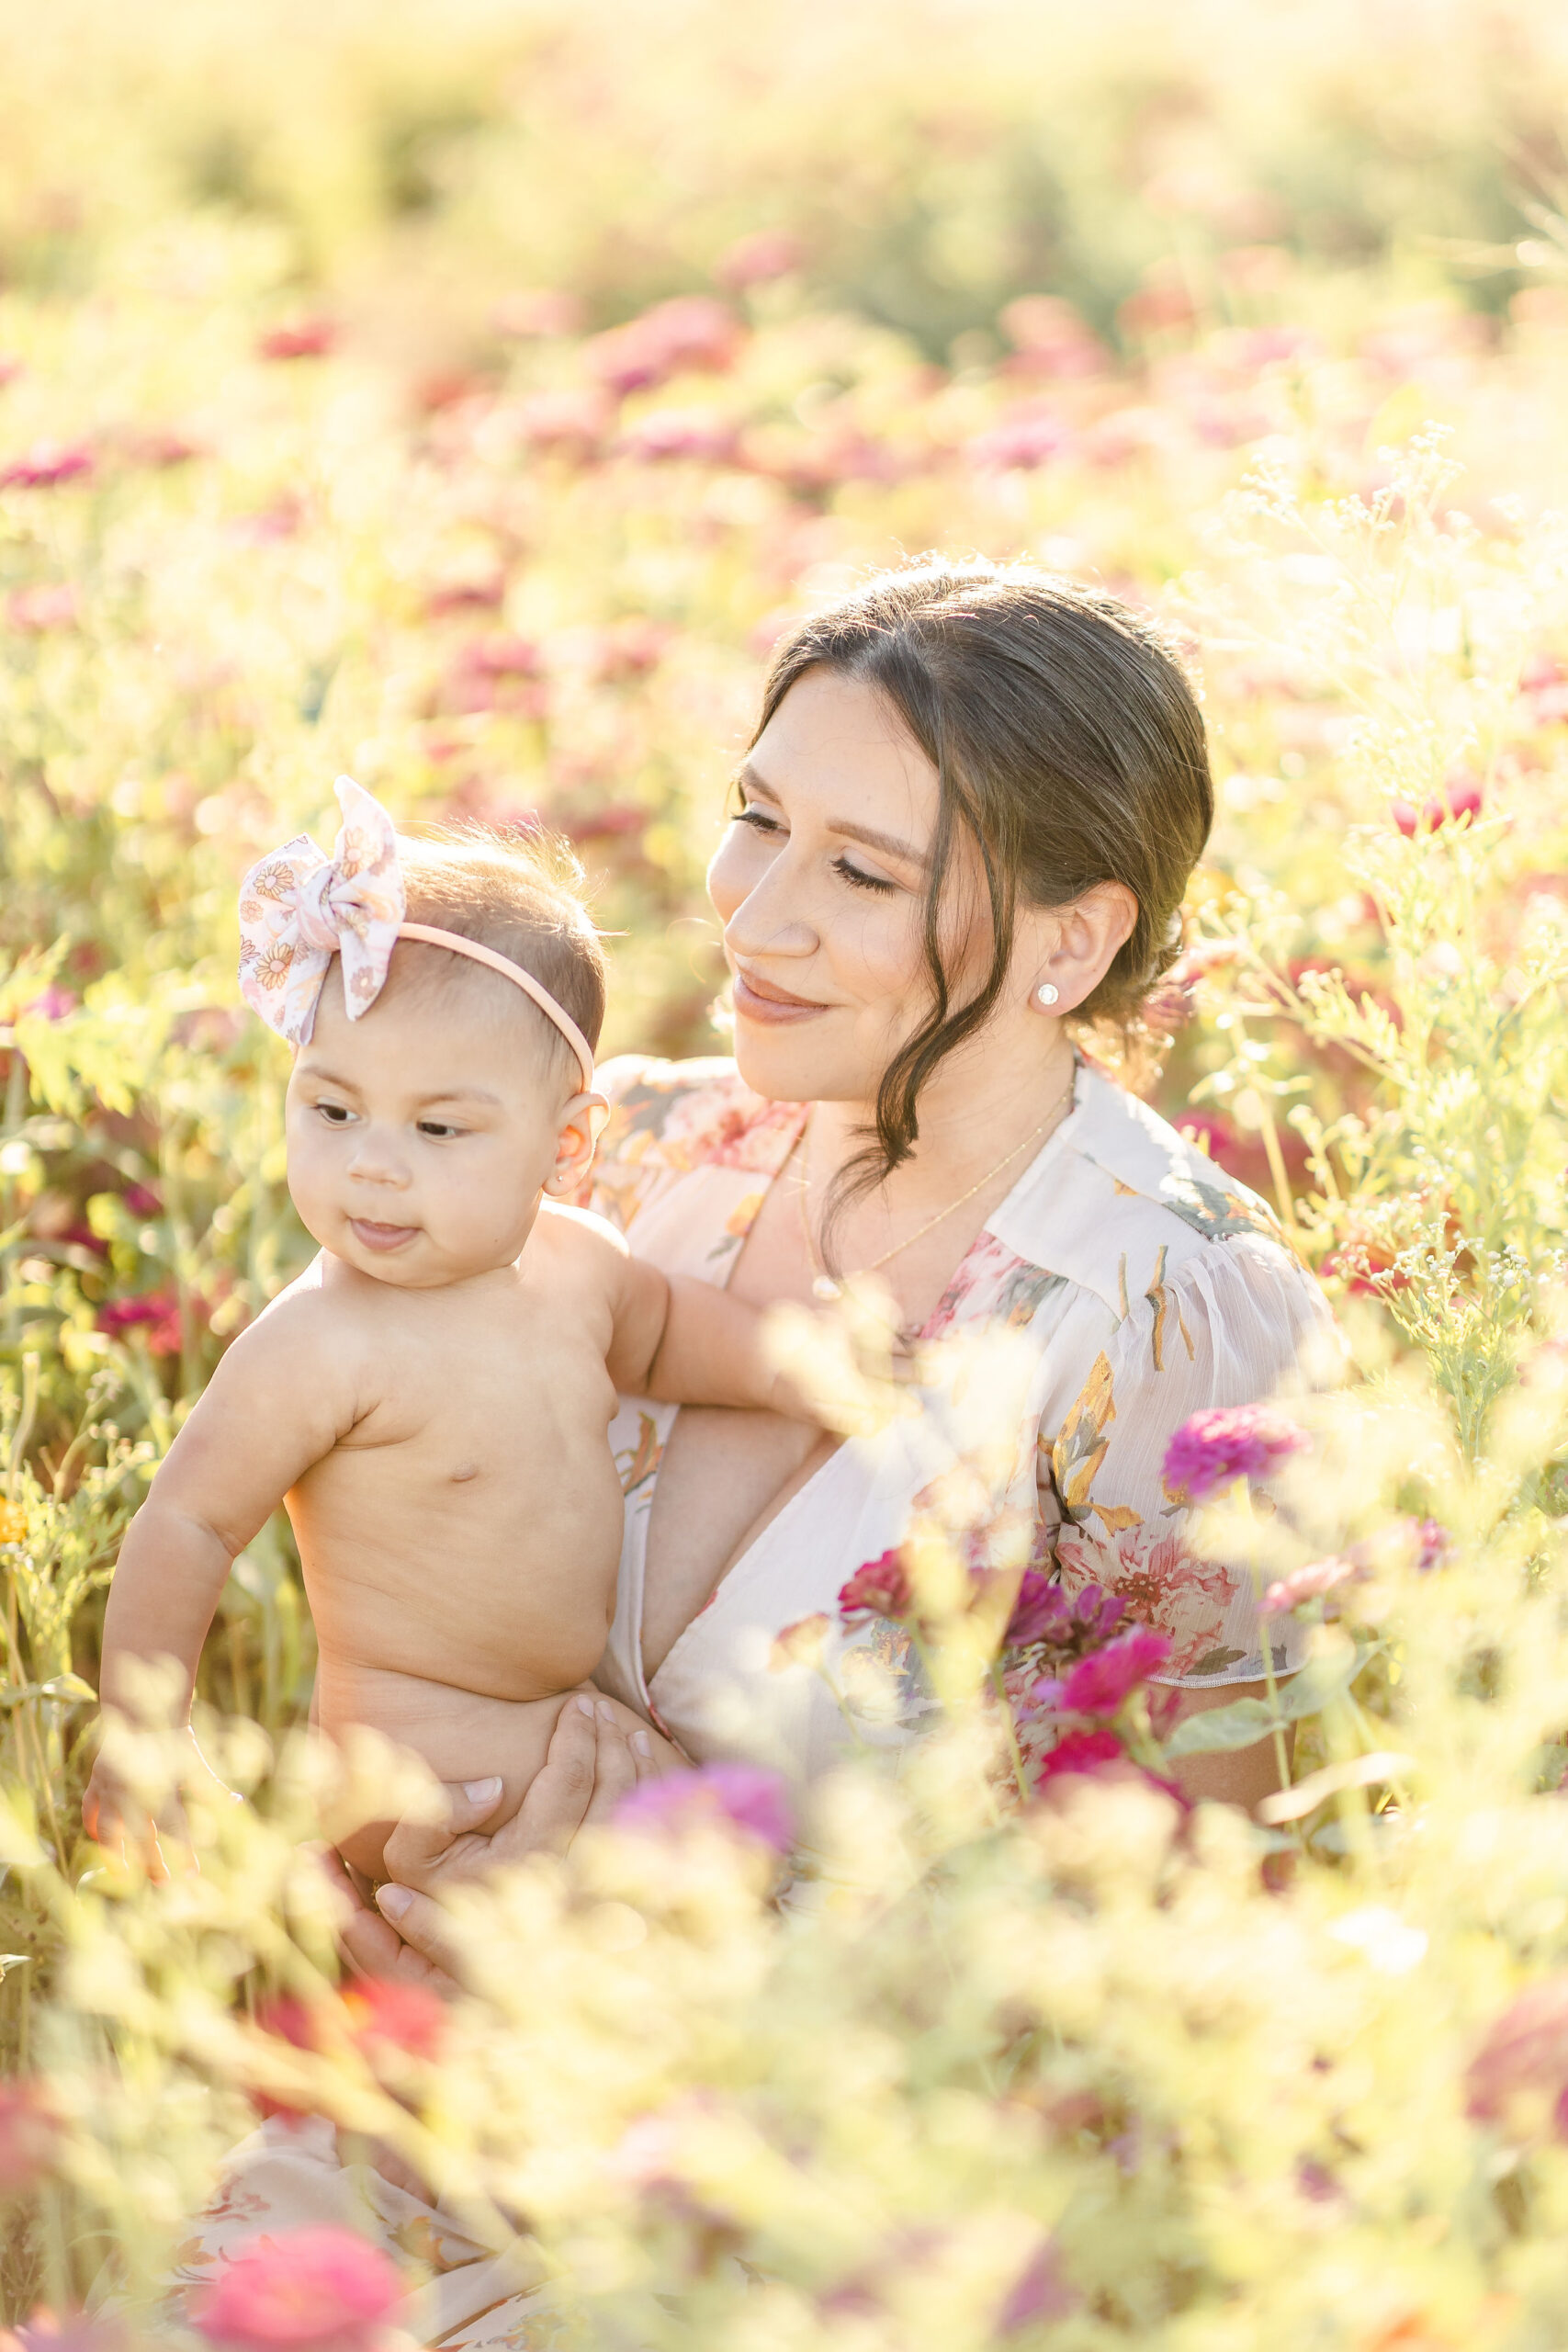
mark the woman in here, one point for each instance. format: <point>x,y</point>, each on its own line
<point>966,821</point>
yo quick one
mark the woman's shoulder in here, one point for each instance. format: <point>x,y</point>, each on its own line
<point>692,1115</point>
<point>1125,1197</point>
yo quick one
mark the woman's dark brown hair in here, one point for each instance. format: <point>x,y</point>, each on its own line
<point>1070,750</point>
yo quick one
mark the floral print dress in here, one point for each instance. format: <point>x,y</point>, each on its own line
<point>1137,1283</point>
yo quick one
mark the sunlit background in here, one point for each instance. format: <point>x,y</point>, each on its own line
<point>466,394</point>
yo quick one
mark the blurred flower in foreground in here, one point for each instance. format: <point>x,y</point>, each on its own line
<point>46,464</point>
<point>51,1004</point>
<point>51,605</point>
<point>1213,1449</point>
<point>1039,2292</point>
<point>1101,1683</point>
<point>1306,1584</point>
<point>29,2135</point>
<point>1081,1752</point>
<point>733,1796</point>
<point>1043,1614</point>
<point>303,2290</point>
<point>1460,797</point>
<point>1519,2076</point>
<point>538,311</point>
<point>398,2016</point>
<point>48,2331</point>
<point>303,339</point>
<point>878,1588</point>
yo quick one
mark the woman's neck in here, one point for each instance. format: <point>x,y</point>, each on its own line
<point>973,1117</point>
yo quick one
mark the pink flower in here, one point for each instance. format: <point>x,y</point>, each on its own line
<point>572,421</point>
<point>541,311</point>
<point>1215,1448</point>
<point>1050,339</point>
<point>734,1796</point>
<point>47,463</point>
<point>692,332</point>
<point>50,605</point>
<point>400,2016</point>
<point>303,339</point>
<point>28,2137</point>
<point>1020,442</point>
<point>878,1588</point>
<point>1431,1542</point>
<point>616,823</point>
<point>1461,797</point>
<point>141,1200</point>
<point>52,1005</point>
<point>303,2290</point>
<point>701,435</point>
<point>1081,1751</point>
<point>1306,1584</point>
<point>754,260</point>
<point>466,597</point>
<point>1519,2076</point>
<point>502,657</point>
<point>1212,1135</point>
<point>48,2331</point>
<point>156,1315</point>
<point>1101,1683</point>
<point>1039,2292</point>
<point>1073,1623</point>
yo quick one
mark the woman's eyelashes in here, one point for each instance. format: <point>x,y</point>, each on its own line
<point>855,875</point>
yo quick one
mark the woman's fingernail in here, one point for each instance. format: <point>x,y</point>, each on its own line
<point>482,1791</point>
<point>393,1901</point>
<point>585,1706</point>
<point>606,1713</point>
<point>641,1743</point>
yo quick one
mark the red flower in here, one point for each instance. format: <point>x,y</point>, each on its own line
<point>50,605</point>
<point>156,1316</point>
<point>305,339</point>
<point>1213,1449</point>
<point>1461,797</point>
<point>1082,1751</point>
<point>878,1588</point>
<point>301,2292</point>
<point>1519,2076</point>
<point>1101,1683</point>
<point>28,2137</point>
<point>47,463</point>
<point>402,2017</point>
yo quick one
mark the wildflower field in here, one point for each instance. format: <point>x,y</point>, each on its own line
<point>464,394</point>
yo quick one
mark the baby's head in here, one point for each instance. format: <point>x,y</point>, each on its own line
<point>422,1134</point>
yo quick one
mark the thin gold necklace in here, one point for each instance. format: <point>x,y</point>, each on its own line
<point>823,1285</point>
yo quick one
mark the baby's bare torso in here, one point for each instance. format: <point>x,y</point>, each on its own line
<point>460,1542</point>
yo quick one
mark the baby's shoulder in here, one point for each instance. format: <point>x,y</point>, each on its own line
<point>578,1242</point>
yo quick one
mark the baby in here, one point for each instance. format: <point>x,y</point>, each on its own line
<point>431,1400</point>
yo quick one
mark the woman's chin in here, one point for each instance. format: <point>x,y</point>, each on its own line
<point>781,1066</point>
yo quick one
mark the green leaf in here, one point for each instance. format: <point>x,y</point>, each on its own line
<point>1321,1681</point>
<point>1241,1724</point>
<point>69,1690</point>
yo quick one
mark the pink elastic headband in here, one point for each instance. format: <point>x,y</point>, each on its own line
<point>299,908</point>
<point>524,980</point>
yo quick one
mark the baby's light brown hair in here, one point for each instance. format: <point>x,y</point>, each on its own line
<point>521,894</point>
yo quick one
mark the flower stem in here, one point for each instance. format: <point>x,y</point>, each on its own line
<point>1019,1773</point>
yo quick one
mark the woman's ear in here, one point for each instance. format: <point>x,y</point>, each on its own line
<point>1084,941</point>
<point>582,1120</point>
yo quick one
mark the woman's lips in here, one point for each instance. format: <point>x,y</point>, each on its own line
<point>759,1001</point>
<point>370,1236</point>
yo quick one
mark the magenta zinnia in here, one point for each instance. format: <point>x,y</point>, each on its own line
<point>300,2291</point>
<point>1215,1448</point>
<point>727,1796</point>
<point>1101,1683</point>
<point>878,1588</point>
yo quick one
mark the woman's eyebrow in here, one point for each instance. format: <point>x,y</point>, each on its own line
<point>887,842</point>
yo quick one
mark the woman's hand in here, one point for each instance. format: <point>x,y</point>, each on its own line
<point>598,1751</point>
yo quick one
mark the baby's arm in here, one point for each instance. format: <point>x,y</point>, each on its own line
<point>686,1341</point>
<point>281,1397</point>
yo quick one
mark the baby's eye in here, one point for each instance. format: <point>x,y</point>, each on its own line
<point>336,1115</point>
<point>438,1127</point>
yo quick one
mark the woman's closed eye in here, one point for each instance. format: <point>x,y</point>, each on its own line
<point>855,875</point>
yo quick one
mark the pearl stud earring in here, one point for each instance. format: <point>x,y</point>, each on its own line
<point>1046,993</point>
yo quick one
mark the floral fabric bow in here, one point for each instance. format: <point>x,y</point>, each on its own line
<point>300,908</point>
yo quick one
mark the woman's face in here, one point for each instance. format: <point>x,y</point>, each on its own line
<point>819,883</point>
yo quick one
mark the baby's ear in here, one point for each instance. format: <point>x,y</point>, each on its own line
<point>580,1122</point>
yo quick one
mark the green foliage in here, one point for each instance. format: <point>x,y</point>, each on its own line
<point>1204,2081</point>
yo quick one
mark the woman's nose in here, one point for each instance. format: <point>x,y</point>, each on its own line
<point>771,919</point>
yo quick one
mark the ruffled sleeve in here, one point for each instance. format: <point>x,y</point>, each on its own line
<point>1237,1323</point>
